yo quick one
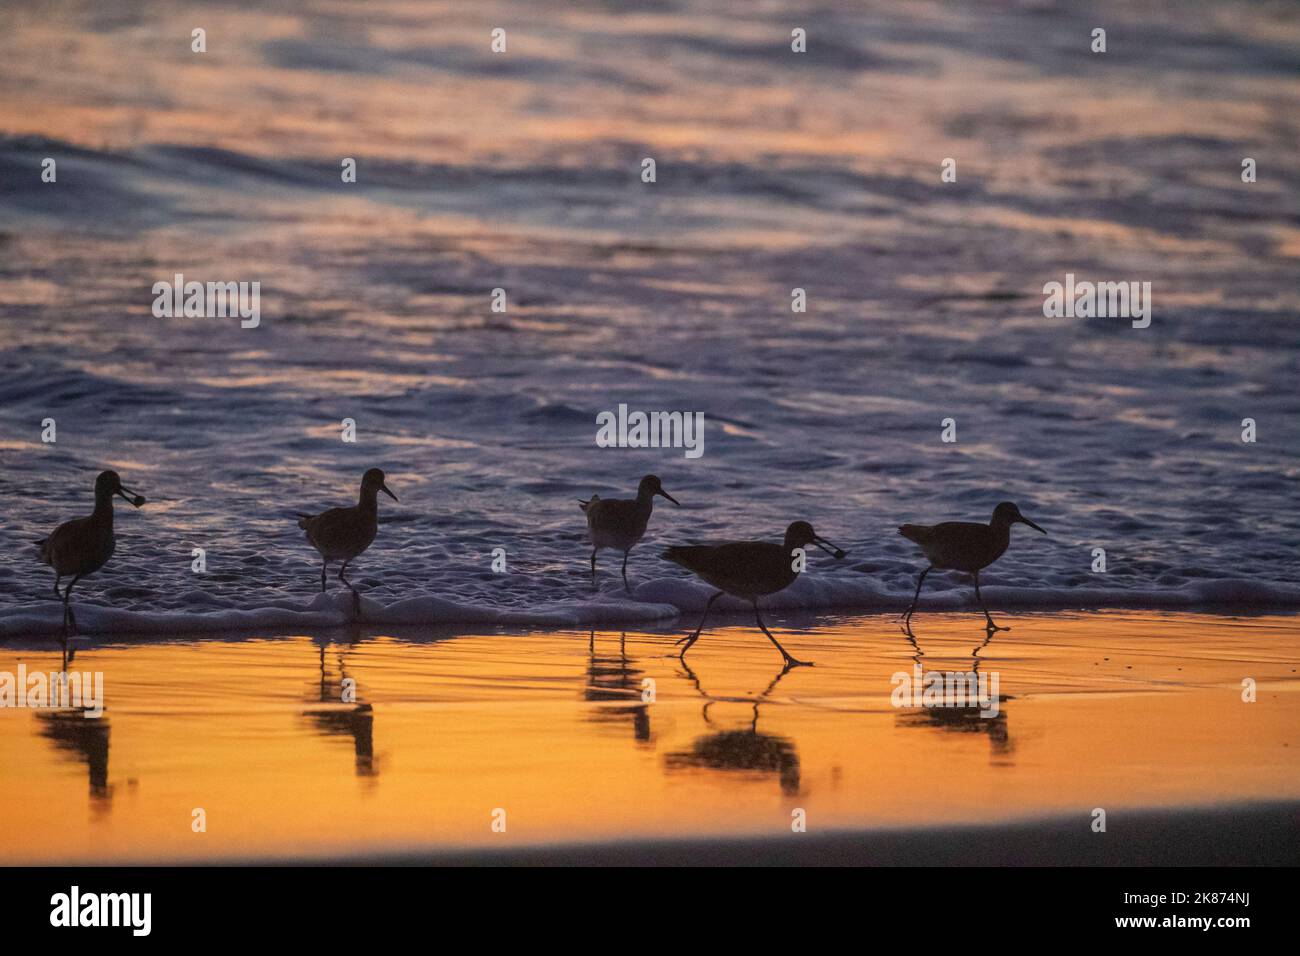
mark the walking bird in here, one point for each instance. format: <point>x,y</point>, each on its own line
<point>965,546</point>
<point>83,545</point>
<point>343,533</point>
<point>620,523</point>
<point>749,570</point>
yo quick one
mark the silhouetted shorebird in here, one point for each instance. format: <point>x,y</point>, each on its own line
<point>965,546</point>
<point>83,545</point>
<point>620,523</point>
<point>343,533</point>
<point>748,570</point>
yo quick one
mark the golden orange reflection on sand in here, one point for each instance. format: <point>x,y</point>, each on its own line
<point>589,736</point>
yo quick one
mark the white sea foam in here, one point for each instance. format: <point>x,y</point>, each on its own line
<point>662,600</point>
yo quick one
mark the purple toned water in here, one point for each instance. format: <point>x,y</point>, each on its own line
<point>521,171</point>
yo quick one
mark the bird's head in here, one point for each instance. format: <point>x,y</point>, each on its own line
<point>1007,514</point>
<point>651,486</point>
<point>109,483</point>
<point>801,534</point>
<point>372,482</point>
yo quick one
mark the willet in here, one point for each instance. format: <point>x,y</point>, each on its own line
<point>749,570</point>
<point>83,545</point>
<point>620,523</point>
<point>965,546</point>
<point>343,533</point>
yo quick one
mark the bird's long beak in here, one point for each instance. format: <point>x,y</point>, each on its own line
<point>670,497</point>
<point>130,495</point>
<point>384,489</point>
<point>829,548</point>
<point>1025,520</point>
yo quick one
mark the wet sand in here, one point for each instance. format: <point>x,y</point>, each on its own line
<point>1140,714</point>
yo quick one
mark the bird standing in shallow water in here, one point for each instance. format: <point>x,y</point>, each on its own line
<point>965,546</point>
<point>343,533</point>
<point>749,570</point>
<point>620,523</point>
<point>83,545</point>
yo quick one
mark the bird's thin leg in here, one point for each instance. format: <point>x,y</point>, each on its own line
<point>917,596</point>
<point>696,635</point>
<point>625,587</point>
<point>57,578</point>
<point>356,595</point>
<point>323,566</point>
<point>987,617</point>
<point>593,565</point>
<point>789,661</point>
<point>69,619</point>
<point>65,622</point>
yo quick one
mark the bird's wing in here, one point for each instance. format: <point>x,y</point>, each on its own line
<point>953,544</point>
<point>923,534</point>
<point>739,567</point>
<point>341,530</point>
<point>694,556</point>
<point>61,537</point>
<point>613,510</point>
<point>960,527</point>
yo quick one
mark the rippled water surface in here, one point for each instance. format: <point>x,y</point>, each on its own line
<point>521,171</point>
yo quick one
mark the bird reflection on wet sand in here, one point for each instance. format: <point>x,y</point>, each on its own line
<point>73,734</point>
<point>343,714</point>
<point>553,726</point>
<point>613,681</point>
<point>744,750</point>
<point>961,714</point>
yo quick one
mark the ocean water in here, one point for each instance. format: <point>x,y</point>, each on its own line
<point>521,171</point>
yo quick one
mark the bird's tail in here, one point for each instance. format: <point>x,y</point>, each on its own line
<point>914,532</point>
<point>303,519</point>
<point>586,504</point>
<point>684,555</point>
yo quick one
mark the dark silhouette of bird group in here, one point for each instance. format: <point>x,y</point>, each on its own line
<point>747,570</point>
<point>83,545</point>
